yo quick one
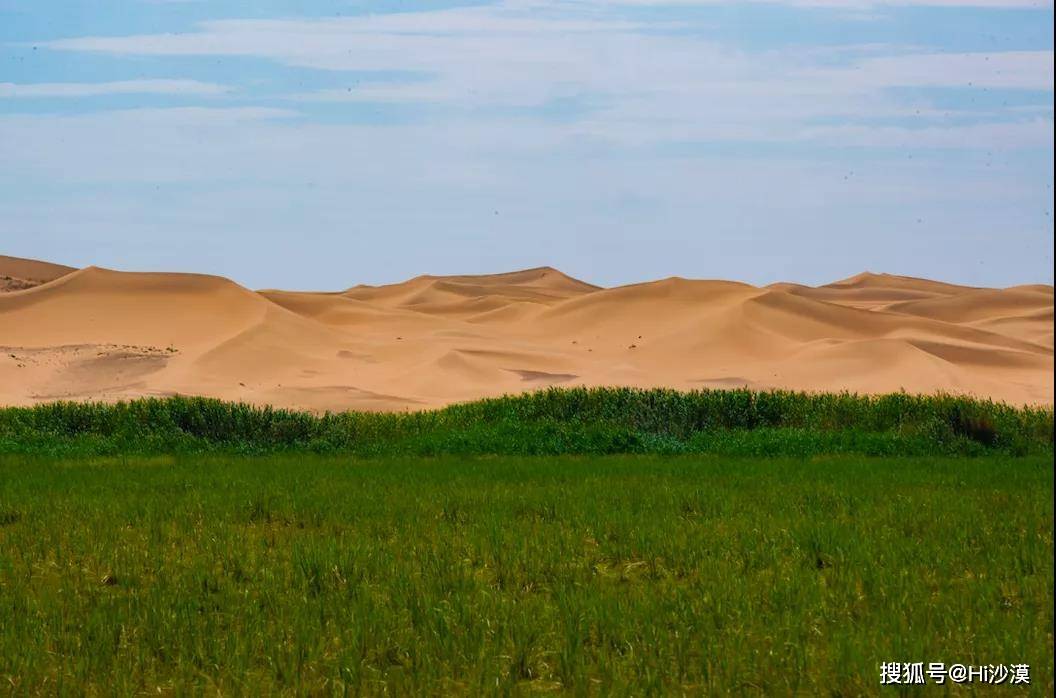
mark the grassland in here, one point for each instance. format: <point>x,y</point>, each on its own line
<point>551,422</point>
<point>618,575</point>
<point>588,542</point>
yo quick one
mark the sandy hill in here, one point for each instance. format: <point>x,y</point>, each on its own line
<point>869,290</point>
<point>464,296</point>
<point>101,334</point>
<point>17,274</point>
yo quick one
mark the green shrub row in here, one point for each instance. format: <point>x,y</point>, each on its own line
<point>555,421</point>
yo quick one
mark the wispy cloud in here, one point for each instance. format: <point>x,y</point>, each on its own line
<point>1030,70</point>
<point>669,135</point>
<point>119,87</point>
<point>652,81</point>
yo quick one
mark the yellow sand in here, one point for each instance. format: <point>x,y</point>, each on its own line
<point>106,335</point>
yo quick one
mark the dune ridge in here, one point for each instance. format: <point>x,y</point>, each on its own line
<point>17,274</point>
<point>99,334</point>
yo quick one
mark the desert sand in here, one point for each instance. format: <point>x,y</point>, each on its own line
<point>97,334</point>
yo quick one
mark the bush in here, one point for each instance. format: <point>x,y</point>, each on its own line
<point>555,421</point>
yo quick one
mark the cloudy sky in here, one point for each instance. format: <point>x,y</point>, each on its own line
<point>322,143</point>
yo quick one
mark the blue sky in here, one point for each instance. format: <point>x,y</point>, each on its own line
<point>327,143</point>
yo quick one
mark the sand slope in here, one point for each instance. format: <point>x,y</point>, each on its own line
<point>100,334</point>
<point>17,274</point>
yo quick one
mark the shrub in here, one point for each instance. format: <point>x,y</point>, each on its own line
<point>554,421</point>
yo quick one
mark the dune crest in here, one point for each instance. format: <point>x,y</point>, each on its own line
<point>18,274</point>
<point>100,334</point>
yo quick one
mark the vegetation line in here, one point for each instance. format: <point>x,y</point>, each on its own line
<point>549,422</point>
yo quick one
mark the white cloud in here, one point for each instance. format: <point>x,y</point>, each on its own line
<point>120,87</point>
<point>611,177</point>
<point>1007,69</point>
<point>641,83</point>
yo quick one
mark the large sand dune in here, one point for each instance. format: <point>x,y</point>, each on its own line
<point>99,334</point>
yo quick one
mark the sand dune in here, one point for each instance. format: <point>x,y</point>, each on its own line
<point>99,334</point>
<point>460,296</point>
<point>17,274</point>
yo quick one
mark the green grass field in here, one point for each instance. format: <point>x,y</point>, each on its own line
<point>614,575</point>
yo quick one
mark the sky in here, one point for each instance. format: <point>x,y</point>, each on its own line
<point>323,143</point>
